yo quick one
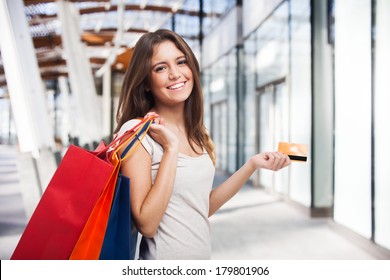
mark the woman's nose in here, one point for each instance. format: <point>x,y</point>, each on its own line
<point>174,74</point>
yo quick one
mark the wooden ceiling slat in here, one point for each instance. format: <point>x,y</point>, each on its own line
<point>51,63</point>
<point>96,39</point>
<point>47,41</point>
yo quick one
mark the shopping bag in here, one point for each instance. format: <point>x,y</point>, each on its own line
<point>67,203</point>
<point>91,239</point>
<point>65,206</point>
<point>120,240</point>
<point>90,242</point>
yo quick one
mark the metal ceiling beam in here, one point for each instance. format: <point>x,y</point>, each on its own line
<point>138,8</point>
<point>113,8</point>
<point>32,2</point>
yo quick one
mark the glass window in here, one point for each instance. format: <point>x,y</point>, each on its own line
<point>219,128</point>
<point>272,47</point>
<point>272,127</point>
<point>231,90</point>
<point>250,95</point>
<point>220,90</point>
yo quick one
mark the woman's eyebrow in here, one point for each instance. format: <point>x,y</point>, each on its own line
<point>158,63</point>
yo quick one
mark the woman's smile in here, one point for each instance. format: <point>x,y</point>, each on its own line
<point>176,86</point>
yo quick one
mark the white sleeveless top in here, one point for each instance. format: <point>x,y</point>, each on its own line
<point>184,231</point>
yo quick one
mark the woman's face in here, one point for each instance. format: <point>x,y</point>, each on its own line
<point>170,78</point>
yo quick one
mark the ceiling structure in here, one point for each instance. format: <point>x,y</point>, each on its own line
<point>105,32</point>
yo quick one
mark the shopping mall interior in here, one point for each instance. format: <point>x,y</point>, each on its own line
<point>299,71</point>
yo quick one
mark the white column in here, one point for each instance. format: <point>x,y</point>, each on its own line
<point>382,128</point>
<point>322,111</point>
<point>25,85</point>
<point>106,103</point>
<point>80,75</point>
<point>28,100</point>
<point>352,182</point>
<point>66,122</point>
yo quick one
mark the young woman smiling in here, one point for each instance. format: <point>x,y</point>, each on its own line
<point>172,175</point>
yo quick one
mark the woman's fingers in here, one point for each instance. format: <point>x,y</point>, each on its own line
<point>163,135</point>
<point>283,161</point>
<point>152,114</point>
<point>276,160</point>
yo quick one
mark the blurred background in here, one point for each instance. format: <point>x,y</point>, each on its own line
<point>300,71</point>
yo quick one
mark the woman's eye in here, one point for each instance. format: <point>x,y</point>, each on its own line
<point>180,62</point>
<point>159,68</point>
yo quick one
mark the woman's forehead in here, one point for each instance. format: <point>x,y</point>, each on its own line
<point>166,49</point>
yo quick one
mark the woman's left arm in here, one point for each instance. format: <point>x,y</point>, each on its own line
<point>267,160</point>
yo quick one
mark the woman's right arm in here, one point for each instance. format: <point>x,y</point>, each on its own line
<point>148,203</point>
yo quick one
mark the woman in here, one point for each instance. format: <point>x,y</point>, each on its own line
<point>172,176</point>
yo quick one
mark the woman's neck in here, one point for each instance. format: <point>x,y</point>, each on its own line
<point>173,115</point>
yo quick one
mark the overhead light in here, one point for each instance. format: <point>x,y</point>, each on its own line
<point>176,6</point>
<point>119,66</point>
<point>143,4</point>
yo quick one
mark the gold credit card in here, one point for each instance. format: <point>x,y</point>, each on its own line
<point>296,152</point>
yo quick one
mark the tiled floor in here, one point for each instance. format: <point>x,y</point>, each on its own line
<point>253,225</point>
<point>12,216</point>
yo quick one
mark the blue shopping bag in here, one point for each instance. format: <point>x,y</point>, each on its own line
<point>120,240</point>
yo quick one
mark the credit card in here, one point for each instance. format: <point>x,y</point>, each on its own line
<point>296,152</point>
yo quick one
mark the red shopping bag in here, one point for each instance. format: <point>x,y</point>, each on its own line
<point>91,238</point>
<point>67,203</point>
<point>65,206</point>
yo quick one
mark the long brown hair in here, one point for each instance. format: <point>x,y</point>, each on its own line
<point>135,101</point>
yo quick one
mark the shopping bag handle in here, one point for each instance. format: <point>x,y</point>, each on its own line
<point>113,145</point>
<point>137,133</point>
<point>115,142</point>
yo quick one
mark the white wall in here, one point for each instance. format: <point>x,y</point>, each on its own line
<point>382,128</point>
<point>352,206</point>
